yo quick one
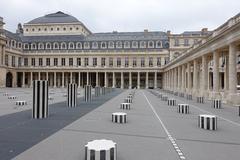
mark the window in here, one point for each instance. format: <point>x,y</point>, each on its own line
<point>134,61</point>
<point>47,61</point>
<point>110,62</point>
<point>86,45</point>
<point>48,46</point>
<point>166,59</point>
<point>71,45</point>
<point>92,155</point>
<point>158,61</point>
<point>70,61</point>
<point>13,61</point>
<point>55,61</point>
<point>78,61</point>
<point>119,44</point>
<point>57,29</point>
<point>176,54</point>
<point>94,45</point>
<point>103,60</point>
<point>94,62</point>
<point>150,61</point>
<point>39,29</point>
<point>126,44</point>
<point>158,44</point>
<point>19,61</point>
<point>64,29</point>
<point>102,155</point>
<point>63,62</point>
<point>25,61</point>
<point>142,44</point>
<point>56,46</point>
<point>186,42</point>
<point>112,154</point>
<point>26,46</point>
<point>118,62</point>
<point>150,44</point>
<point>142,62</point>
<point>33,62</point>
<point>176,42</point>
<point>111,44</point>
<point>6,60</point>
<point>40,46</point>
<point>45,29</point>
<point>126,62</point>
<point>63,46</point>
<point>40,63</point>
<point>79,45</point>
<point>134,44</point>
<point>85,62</point>
<point>33,46</point>
<point>103,45</point>
<point>33,29</point>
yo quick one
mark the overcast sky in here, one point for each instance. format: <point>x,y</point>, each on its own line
<point>126,15</point>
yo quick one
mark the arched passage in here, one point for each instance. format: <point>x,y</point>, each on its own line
<point>9,79</point>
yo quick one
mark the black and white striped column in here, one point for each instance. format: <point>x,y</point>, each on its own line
<point>183,108</point>
<point>72,95</point>
<point>217,103</point>
<point>171,102</point>
<point>21,103</point>
<point>164,98</point>
<point>200,99</point>
<point>125,106</point>
<point>12,97</point>
<point>181,94</point>
<point>159,95</point>
<point>129,96</point>
<point>87,93</point>
<point>97,91</point>
<point>103,90</point>
<point>5,94</point>
<point>101,150</point>
<point>128,100</point>
<point>40,99</point>
<point>189,97</point>
<point>119,117</point>
<point>208,122</point>
<point>239,110</point>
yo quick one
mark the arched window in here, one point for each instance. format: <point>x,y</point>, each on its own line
<point>126,44</point>
<point>111,44</point>
<point>119,44</point>
<point>142,44</point>
<point>40,46</point>
<point>86,45</point>
<point>150,44</point>
<point>134,44</point>
<point>33,46</point>
<point>79,45</point>
<point>63,45</point>
<point>19,45</point>
<point>55,45</point>
<point>94,45</point>
<point>71,45</point>
<point>26,46</point>
<point>103,45</point>
<point>48,46</point>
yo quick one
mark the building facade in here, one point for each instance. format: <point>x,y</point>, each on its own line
<point>59,48</point>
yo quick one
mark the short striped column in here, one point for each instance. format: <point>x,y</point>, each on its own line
<point>200,99</point>
<point>159,95</point>
<point>21,103</point>
<point>189,97</point>
<point>181,94</point>
<point>40,99</point>
<point>119,117</point>
<point>125,106</point>
<point>217,103</point>
<point>5,94</point>
<point>164,98</point>
<point>130,96</point>
<point>208,122</point>
<point>12,97</point>
<point>87,93</point>
<point>97,91</point>
<point>101,150</point>
<point>103,90</point>
<point>175,93</point>
<point>72,95</point>
<point>128,100</point>
<point>171,102</point>
<point>183,108</point>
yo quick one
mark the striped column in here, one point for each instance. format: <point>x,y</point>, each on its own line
<point>189,97</point>
<point>181,94</point>
<point>21,103</point>
<point>103,90</point>
<point>12,97</point>
<point>239,110</point>
<point>101,150</point>
<point>72,95</point>
<point>40,99</point>
<point>200,99</point>
<point>175,93</point>
<point>216,103</point>
<point>87,93</point>
<point>125,106</point>
<point>183,108</point>
<point>171,102</point>
<point>164,98</point>
<point>97,91</point>
<point>119,117</point>
<point>208,122</point>
<point>128,100</point>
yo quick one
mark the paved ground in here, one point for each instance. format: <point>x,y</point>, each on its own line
<point>154,131</point>
<point>19,132</point>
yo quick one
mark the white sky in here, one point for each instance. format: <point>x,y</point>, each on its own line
<point>126,15</point>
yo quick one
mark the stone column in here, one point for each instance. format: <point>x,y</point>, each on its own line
<point>175,79</point>
<point>226,74</point>
<point>105,79</point>
<point>155,80</point>
<point>138,80</point>
<point>39,76</point>
<point>114,80</point>
<point>79,79</point>
<point>215,74</point>
<point>87,78</point>
<point>204,78</point>
<point>179,78</point>
<point>63,79</point>
<point>130,80</point>
<point>195,77</point>
<point>31,79</point>
<point>97,79</point>
<point>146,80</point>
<point>23,80</point>
<point>122,80</point>
<point>189,77</point>
<point>55,80</point>
<point>183,78</point>
<point>71,77</point>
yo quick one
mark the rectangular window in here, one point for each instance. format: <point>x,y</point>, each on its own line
<point>33,61</point>
<point>40,62</point>
<point>134,61</point>
<point>142,62</point>
<point>186,42</point>
<point>70,61</point>
<point>94,62</point>
<point>158,61</point>
<point>118,62</point>
<point>63,62</point>
<point>176,42</point>
<point>55,61</point>
<point>110,62</point>
<point>103,62</point>
<point>25,61</point>
<point>85,62</point>
<point>79,61</point>
<point>19,61</point>
<point>47,61</point>
<point>150,61</point>
<point>13,61</point>
<point>6,60</point>
<point>126,62</point>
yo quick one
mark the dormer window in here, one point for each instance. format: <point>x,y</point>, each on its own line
<point>70,28</point>
<point>45,29</point>
<point>119,44</point>
<point>39,29</point>
<point>134,44</point>
<point>51,29</point>
<point>56,46</point>
<point>86,45</point>
<point>111,44</point>
<point>63,46</point>
<point>158,44</point>
<point>26,30</point>
<point>48,46</point>
<point>33,30</point>
<point>126,44</point>
<point>77,28</point>
<point>26,46</point>
<point>57,29</point>
<point>150,44</point>
<point>71,45</point>
<point>19,45</point>
<point>94,45</point>
<point>40,46</point>
<point>79,45</point>
<point>142,44</point>
<point>64,29</point>
<point>33,46</point>
<point>103,45</point>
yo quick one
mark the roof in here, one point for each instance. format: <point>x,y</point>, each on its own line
<point>11,35</point>
<point>51,38</point>
<point>58,17</point>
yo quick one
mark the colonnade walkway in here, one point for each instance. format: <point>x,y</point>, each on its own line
<point>19,132</point>
<point>153,131</point>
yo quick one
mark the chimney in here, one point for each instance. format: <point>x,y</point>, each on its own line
<point>204,30</point>
<point>1,23</point>
<point>168,32</point>
<point>145,30</point>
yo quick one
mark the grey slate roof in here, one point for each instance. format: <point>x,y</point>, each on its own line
<point>11,35</point>
<point>58,17</point>
<point>56,38</point>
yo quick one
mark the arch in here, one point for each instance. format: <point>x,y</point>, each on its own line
<point>9,79</point>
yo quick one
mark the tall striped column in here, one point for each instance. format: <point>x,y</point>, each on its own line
<point>40,99</point>
<point>72,95</point>
<point>88,93</point>
<point>97,91</point>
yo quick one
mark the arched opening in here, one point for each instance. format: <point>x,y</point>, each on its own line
<point>9,78</point>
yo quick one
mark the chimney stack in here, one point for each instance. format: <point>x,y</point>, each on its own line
<point>1,23</point>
